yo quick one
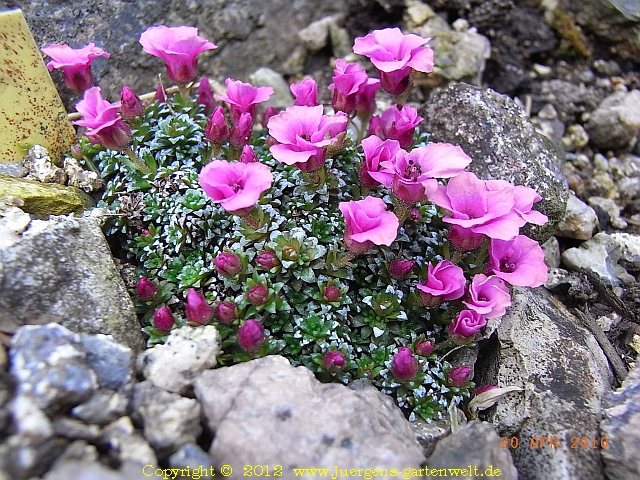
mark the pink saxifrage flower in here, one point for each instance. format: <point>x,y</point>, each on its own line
<point>251,335</point>
<point>243,97</point>
<point>235,186</point>
<point>489,296</point>
<point>368,224</point>
<point>205,96</point>
<point>396,124</point>
<point>395,55</point>
<point>379,158</point>
<point>179,47</point>
<point>304,134</point>
<point>445,281</point>
<point>352,88</point>
<point>130,104</point>
<point>217,131</point>
<point>305,92</point>
<point>460,376</point>
<point>333,361</point>
<point>75,63</point>
<point>104,125</point>
<point>467,323</point>
<point>519,261</point>
<point>464,239</point>
<point>196,308</point>
<point>404,365</point>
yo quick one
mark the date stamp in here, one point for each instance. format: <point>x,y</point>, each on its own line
<point>554,441</point>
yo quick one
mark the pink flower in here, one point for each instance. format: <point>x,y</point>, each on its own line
<point>248,155</point>
<point>75,63</point>
<point>445,281</point>
<point>217,130</point>
<point>333,361</point>
<point>424,347</point>
<point>243,97</point>
<point>226,312</point>
<point>352,88</point>
<point>228,264</point>
<point>146,290</point>
<point>404,365</point>
<point>235,186</point>
<point>467,323</point>
<point>464,239</point>
<point>251,336</point>
<point>196,308</point>
<point>395,55</point>
<point>519,261</point>
<point>524,198</point>
<point>460,376</point>
<point>489,296</point>
<point>305,93</point>
<point>396,124</point>
<point>205,96</point>
<point>178,47</point>
<point>368,223</point>
<point>130,104</point>
<point>331,293</point>
<point>163,319</point>
<point>241,132</point>
<point>400,268</point>
<point>102,120</point>
<point>304,134</point>
<point>379,160</point>
<point>477,208</point>
<point>257,295</point>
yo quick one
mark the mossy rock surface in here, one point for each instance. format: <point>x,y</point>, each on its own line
<point>44,199</point>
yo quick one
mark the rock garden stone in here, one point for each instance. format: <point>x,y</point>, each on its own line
<point>190,455</point>
<point>579,222</point>
<point>104,407</point>
<point>616,121</point>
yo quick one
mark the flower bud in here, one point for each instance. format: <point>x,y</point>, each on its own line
<point>205,96</point>
<point>228,264</point>
<point>424,347</point>
<point>163,319</point>
<point>483,389</point>
<point>415,215</point>
<point>460,376</point>
<point>217,130</point>
<point>241,133</point>
<point>257,295</point>
<point>290,253</point>
<point>333,361</point>
<point>161,96</point>
<point>268,113</point>
<point>146,290</point>
<point>464,239</point>
<point>404,366</point>
<point>196,308</point>
<point>251,336</point>
<point>248,155</point>
<point>130,104</point>
<point>331,293</point>
<point>267,260</point>
<point>226,312</point>
<point>400,268</point>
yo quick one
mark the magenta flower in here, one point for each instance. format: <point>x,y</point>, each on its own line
<point>395,55</point>
<point>477,208</point>
<point>424,347</point>
<point>353,89</point>
<point>519,261</point>
<point>205,96</point>
<point>163,319</point>
<point>467,323</point>
<point>179,47</point>
<point>333,361</point>
<point>524,198</point>
<point>248,155</point>
<point>235,186</point>
<point>464,239</point>
<point>305,93</point>
<point>243,97</point>
<point>400,268</point>
<point>404,365</point>
<point>396,124</point>
<point>146,290</point>
<point>304,134</point>
<point>368,224</point>
<point>217,131</point>
<point>160,95</point>
<point>257,295</point>
<point>331,293</point>
<point>228,264</point>
<point>488,296</point>
<point>104,125</point>
<point>241,132</point>
<point>460,376</point>
<point>75,63</point>
<point>226,312</point>
<point>379,160</point>
<point>251,336</point>
<point>445,281</point>
<point>196,308</point>
<point>130,104</point>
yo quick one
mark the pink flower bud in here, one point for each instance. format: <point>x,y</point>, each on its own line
<point>415,215</point>
<point>205,96</point>
<point>248,155</point>
<point>267,260</point>
<point>424,347</point>
<point>217,130</point>
<point>228,264</point>
<point>257,295</point>
<point>161,97</point>
<point>241,133</point>
<point>400,268</point>
<point>465,239</point>
<point>331,293</point>
<point>130,104</point>
<point>268,113</point>
<point>483,389</point>
<point>197,308</point>
<point>460,376</point>
<point>163,319</point>
<point>333,361</point>
<point>226,312</point>
<point>404,366</point>
<point>146,290</point>
<point>251,336</point>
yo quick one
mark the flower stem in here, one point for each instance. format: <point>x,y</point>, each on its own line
<point>135,162</point>
<point>184,91</point>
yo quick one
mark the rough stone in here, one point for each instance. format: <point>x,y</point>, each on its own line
<point>73,429</point>
<point>579,222</point>
<point>23,457</point>
<point>40,167</point>
<point>503,144</point>
<point>267,412</point>
<point>190,455</point>
<point>266,77</point>
<point>103,408</point>
<point>78,177</point>
<point>630,249</point>
<point>608,212</point>
<point>63,268</point>
<point>540,345</point>
<point>28,418</point>
<point>126,444</point>
<point>315,36</point>
<point>551,250</point>
<point>616,121</point>
<point>621,427</point>
<point>175,365</point>
<point>90,470</point>
<point>476,444</point>
<point>13,221</point>
<point>570,100</point>
<point>112,362</point>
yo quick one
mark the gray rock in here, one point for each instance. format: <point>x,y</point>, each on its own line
<point>540,345</point>
<point>616,121</point>
<point>630,249</point>
<point>579,222</point>
<point>112,362</point>
<point>570,100</point>
<point>503,144</point>
<point>315,36</point>
<point>90,470</point>
<point>23,457</point>
<point>13,169</point>
<point>78,177</point>
<point>73,429</point>
<point>429,434</point>
<point>476,444</point>
<point>608,212</point>
<point>192,456</point>
<point>267,412</point>
<point>104,407</point>
<point>576,137</point>
<point>127,445</point>
<point>28,419</point>
<point>266,77</point>
<point>50,367</point>
<point>78,450</point>
<point>551,250</point>
<point>621,428</point>
<point>599,256</point>
<point>40,167</point>
<point>548,124</point>
<point>176,364</point>
<point>169,420</point>
<point>64,268</point>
